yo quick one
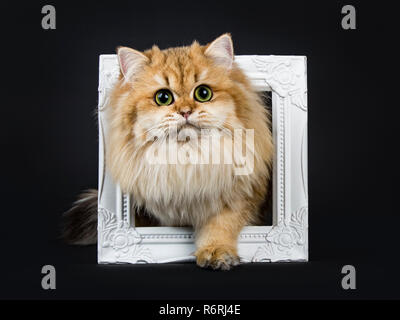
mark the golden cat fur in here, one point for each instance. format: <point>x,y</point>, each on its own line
<point>209,197</point>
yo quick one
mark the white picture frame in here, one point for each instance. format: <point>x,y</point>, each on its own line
<point>119,241</point>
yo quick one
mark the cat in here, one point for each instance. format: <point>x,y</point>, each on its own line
<point>200,93</point>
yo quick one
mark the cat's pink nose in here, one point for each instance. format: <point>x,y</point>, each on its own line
<point>186,114</point>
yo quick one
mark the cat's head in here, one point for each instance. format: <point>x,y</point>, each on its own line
<point>194,87</point>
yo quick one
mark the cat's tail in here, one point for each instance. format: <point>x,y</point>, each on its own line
<point>80,222</point>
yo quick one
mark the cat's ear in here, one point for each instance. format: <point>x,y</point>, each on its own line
<point>221,51</point>
<point>130,61</point>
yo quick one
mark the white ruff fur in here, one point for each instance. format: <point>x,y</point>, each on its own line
<point>186,193</point>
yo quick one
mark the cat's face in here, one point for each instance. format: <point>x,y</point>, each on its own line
<point>187,88</point>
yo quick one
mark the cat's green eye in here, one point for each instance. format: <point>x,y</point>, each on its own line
<point>203,93</point>
<point>163,97</point>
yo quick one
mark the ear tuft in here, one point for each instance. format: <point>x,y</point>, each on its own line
<point>221,50</point>
<point>130,62</point>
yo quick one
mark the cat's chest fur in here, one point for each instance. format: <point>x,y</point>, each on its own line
<point>182,194</point>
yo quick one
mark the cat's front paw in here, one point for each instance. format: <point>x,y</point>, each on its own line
<point>217,257</point>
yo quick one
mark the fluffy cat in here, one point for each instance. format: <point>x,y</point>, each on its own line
<point>177,99</point>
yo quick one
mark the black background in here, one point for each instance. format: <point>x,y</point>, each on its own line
<point>49,143</point>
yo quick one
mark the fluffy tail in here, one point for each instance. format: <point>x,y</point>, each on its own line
<point>80,222</point>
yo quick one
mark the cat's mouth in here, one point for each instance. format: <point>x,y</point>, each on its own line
<point>188,132</point>
<point>188,125</point>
